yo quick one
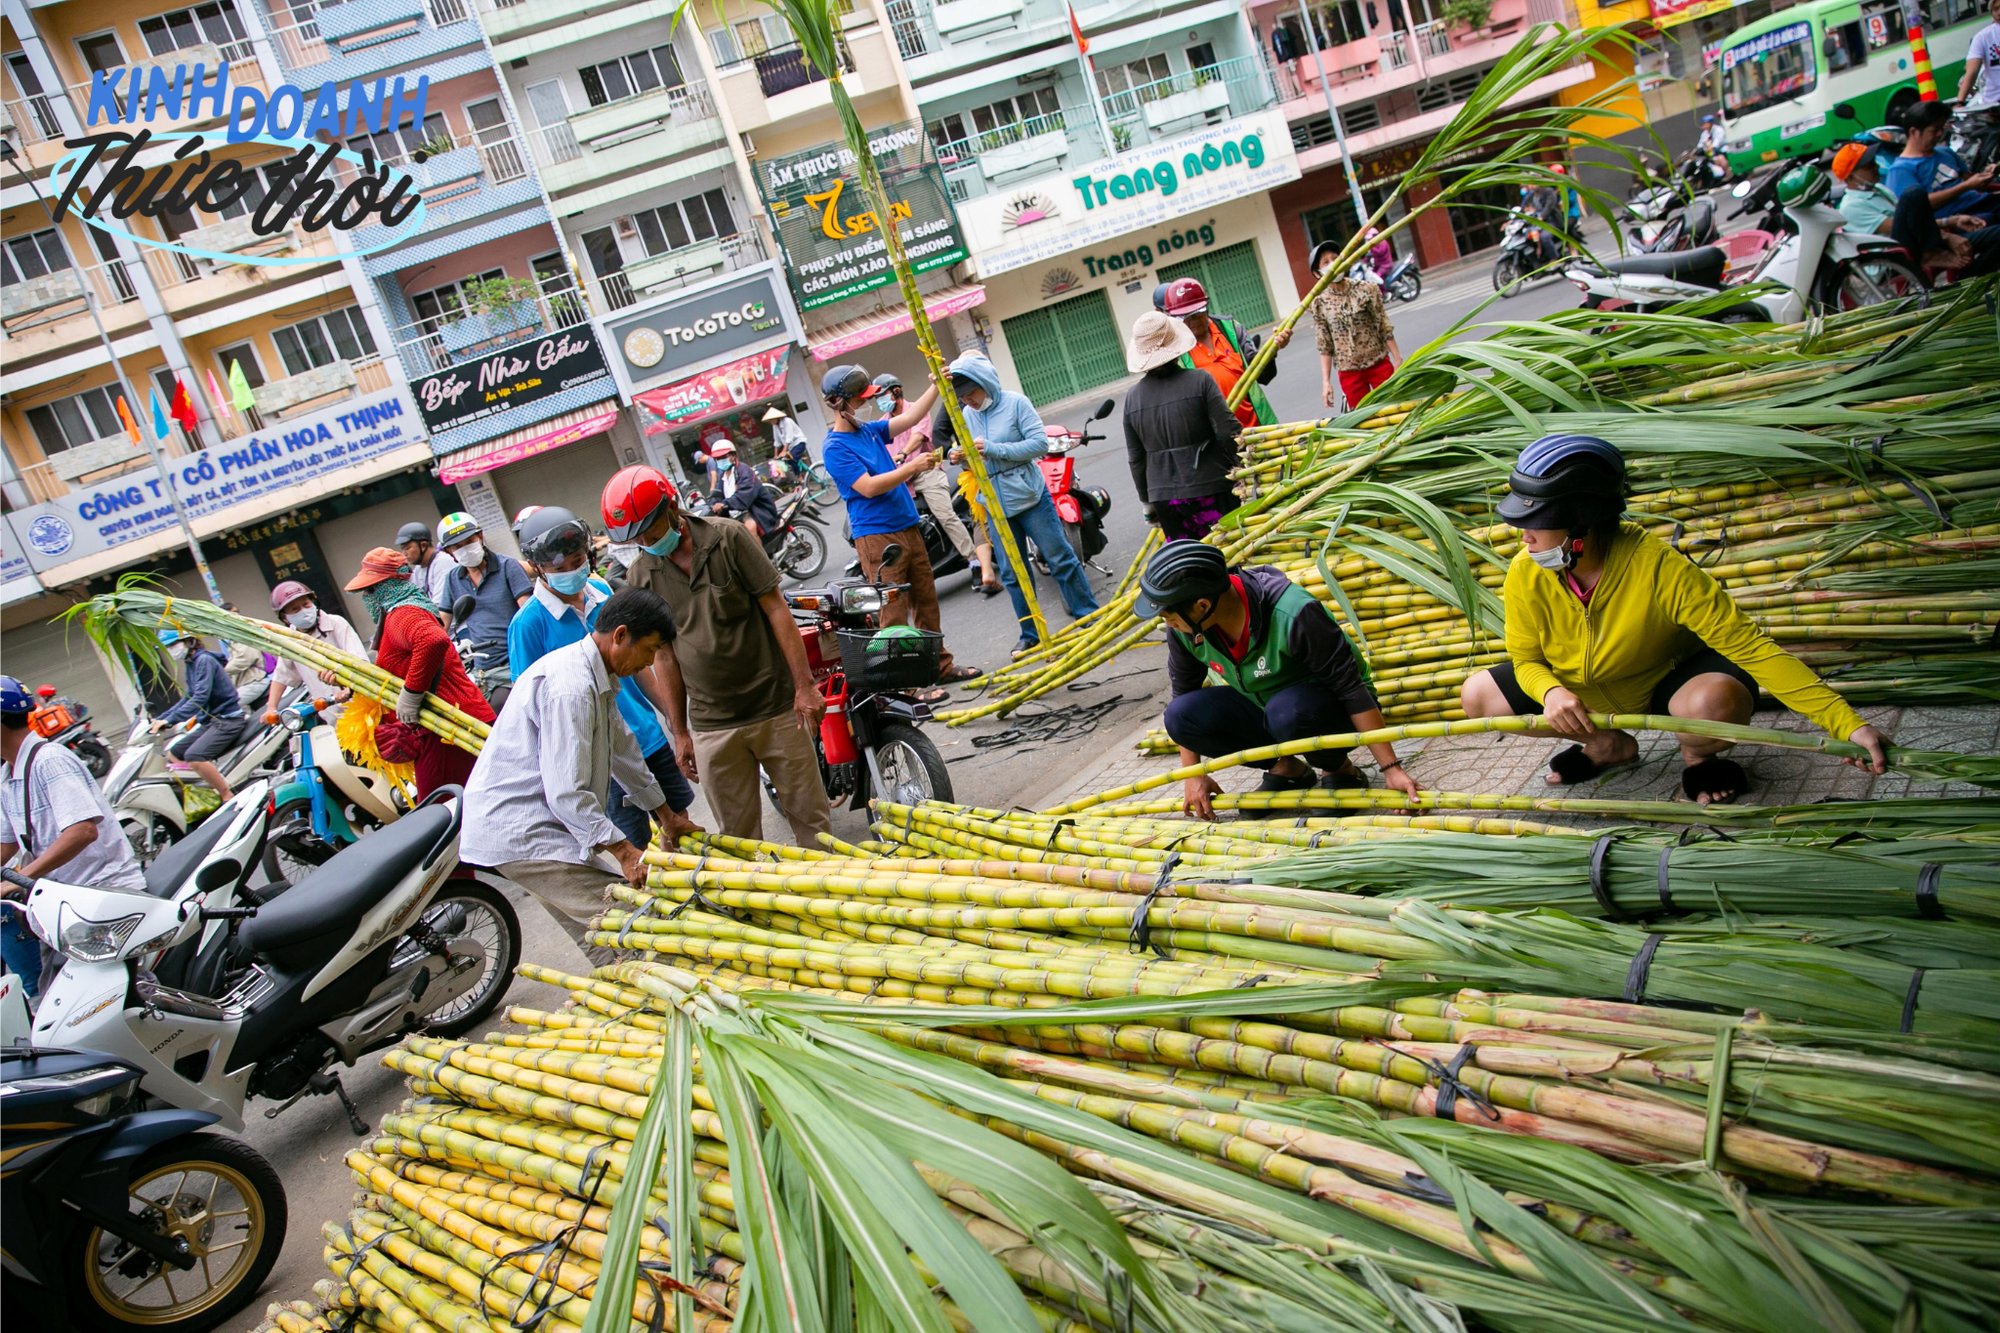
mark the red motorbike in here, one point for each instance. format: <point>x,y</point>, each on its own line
<point>871,740</point>
<point>1081,508</point>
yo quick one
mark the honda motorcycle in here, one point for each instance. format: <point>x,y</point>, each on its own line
<point>66,722</point>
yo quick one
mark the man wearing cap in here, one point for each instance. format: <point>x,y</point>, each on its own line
<point>1867,204</point>
<point>52,810</point>
<point>1353,333</point>
<point>431,565</point>
<point>735,686</point>
<point>211,696</point>
<point>1282,670</point>
<point>735,489</point>
<point>1926,164</point>
<point>930,486</point>
<point>879,504</point>
<point>297,607</point>
<point>411,643</point>
<point>498,588</point>
<point>1180,436</point>
<point>1219,347</point>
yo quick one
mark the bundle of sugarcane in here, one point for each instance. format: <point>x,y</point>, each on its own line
<point>1834,496</point>
<point>125,625</point>
<point>922,1149</point>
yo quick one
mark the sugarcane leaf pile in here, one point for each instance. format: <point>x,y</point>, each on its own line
<point>1837,477</point>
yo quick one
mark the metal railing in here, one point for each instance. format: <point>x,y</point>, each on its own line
<point>688,104</point>
<point>615,290</point>
<point>300,43</point>
<point>59,295</point>
<point>1431,38</point>
<point>959,152</point>
<point>44,483</point>
<point>914,34</point>
<point>781,69</point>
<point>438,343</point>
<point>37,120</point>
<point>1248,84</point>
<point>1395,49</point>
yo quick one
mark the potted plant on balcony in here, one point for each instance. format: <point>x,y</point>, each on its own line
<point>495,308</point>
<point>1469,14</point>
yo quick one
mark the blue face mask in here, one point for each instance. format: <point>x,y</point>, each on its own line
<point>665,545</point>
<point>570,582</point>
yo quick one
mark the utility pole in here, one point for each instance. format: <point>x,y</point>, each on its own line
<point>132,401</point>
<point>1333,114</point>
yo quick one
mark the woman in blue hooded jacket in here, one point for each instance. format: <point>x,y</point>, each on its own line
<point>1008,433</point>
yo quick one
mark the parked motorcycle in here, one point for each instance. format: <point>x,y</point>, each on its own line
<point>796,546</point>
<point>156,805</point>
<point>328,803</point>
<point>944,557</point>
<point>870,741</point>
<point>122,1217</point>
<point>1082,509</point>
<point>390,936</point>
<point>1520,252</point>
<point>1404,281</point>
<point>66,722</point>
<point>1819,266</point>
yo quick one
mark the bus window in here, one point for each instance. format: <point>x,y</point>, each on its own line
<point>1768,68</point>
<point>1844,48</point>
<point>1882,23</point>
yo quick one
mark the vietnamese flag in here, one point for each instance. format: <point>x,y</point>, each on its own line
<point>181,409</point>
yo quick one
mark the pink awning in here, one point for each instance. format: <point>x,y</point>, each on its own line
<point>849,334</point>
<point>529,441</point>
<point>715,391</point>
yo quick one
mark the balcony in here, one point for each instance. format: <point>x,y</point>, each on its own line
<point>36,125</point>
<point>438,343</point>
<point>1014,152</point>
<point>57,296</point>
<point>1385,60</point>
<point>778,84</point>
<point>360,37</point>
<point>957,20</point>
<point>310,391</point>
<point>477,175</point>
<point>622,139</point>
<point>1170,106</point>
<point>679,268</point>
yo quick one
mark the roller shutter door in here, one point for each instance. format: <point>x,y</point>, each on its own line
<point>1066,348</point>
<point>1233,280</point>
<point>572,477</point>
<point>57,653</point>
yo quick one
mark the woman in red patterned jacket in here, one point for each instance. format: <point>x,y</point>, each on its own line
<point>412,643</point>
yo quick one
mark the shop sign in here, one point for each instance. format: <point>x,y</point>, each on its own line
<point>258,467</point>
<point>690,329</point>
<point>1161,248</point>
<point>721,389</point>
<point>830,234</point>
<point>524,372</point>
<point>1150,187</point>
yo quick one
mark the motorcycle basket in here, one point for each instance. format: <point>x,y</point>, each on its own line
<point>876,665</point>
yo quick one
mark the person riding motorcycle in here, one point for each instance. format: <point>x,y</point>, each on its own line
<point>212,697</point>
<point>736,491</point>
<point>1604,617</point>
<point>297,607</point>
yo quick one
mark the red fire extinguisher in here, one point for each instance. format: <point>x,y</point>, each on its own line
<point>836,737</point>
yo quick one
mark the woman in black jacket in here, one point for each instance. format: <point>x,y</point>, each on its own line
<point>1180,436</point>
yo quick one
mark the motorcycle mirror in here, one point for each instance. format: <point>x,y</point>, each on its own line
<point>217,875</point>
<point>890,555</point>
<point>1103,410</point>
<point>462,609</point>
<point>1844,111</point>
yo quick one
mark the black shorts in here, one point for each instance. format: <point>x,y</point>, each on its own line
<point>1701,662</point>
<point>217,737</point>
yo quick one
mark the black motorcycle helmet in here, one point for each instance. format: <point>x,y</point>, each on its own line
<point>552,535</point>
<point>1180,574</point>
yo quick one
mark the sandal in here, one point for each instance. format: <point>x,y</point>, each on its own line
<point>1717,779</point>
<point>933,696</point>
<point>958,673</point>
<point>1572,766</point>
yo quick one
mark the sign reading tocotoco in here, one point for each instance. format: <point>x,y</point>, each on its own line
<point>664,338</point>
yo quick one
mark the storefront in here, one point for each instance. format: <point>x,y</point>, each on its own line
<point>710,364</point>
<point>1068,262</point>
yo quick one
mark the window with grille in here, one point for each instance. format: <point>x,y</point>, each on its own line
<point>260,185</point>
<point>339,335</point>
<point>70,423</point>
<point>35,255</point>
<point>1134,74</point>
<point>674,226</point>
<point>178,29</point>
<point>628,76</point>
<point>395,146</point>
<point>1449,92</point>
<point>1356,118</point>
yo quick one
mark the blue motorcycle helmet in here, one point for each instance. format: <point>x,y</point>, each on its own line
<point>15,698</point>
<point>1565,481</point>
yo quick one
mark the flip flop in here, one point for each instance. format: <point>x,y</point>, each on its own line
<point>959,673</point>
<point>1718,779</point>
<point>931,696</point>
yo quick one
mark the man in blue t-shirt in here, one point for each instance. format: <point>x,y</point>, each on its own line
<point>561,610</point>
<point>1925,164</point>
<point>879,504</point>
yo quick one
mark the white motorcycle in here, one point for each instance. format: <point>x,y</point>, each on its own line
<point>146,794</point>
<point>220,996</point>
<point>1817,265</point>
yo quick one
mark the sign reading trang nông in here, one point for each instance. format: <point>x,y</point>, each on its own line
<point>831,236</point>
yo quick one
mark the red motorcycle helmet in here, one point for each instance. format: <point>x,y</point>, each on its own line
<point>1184,296</point>
<point>634,498</point>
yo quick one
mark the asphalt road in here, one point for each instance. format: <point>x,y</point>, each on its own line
<point>308,1142</point>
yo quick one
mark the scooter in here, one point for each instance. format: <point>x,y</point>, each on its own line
<point>1082,509</point>
<point>1403,282</point>
<point>390,936</point>
<point>796,546</point>
<point>328,802</point>
<point>122,1217</point>
<point>1816,265</point>
<point>944,557</point>
<point>1520,252</point>
<point>155,806</point>
<point>870,742</point>
<point>66,722</point>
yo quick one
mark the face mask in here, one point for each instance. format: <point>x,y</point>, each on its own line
<point>471,555</point>
<point>179,650</point>
<point>303,620</point>
<point>1556,559</point>
<point>569,583</point>
<point>665,545</point>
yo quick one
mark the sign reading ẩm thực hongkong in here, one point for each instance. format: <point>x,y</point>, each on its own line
<point>137,504</point>
<point>1148,187</point>
<point>519,373</point>
<point>831,236</point>
<point>303,190</point>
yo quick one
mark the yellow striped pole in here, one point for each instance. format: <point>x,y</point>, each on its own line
<point>1921,55</point>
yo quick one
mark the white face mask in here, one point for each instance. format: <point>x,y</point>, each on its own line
<point>179,650</point>
<point>303,621</point>
<point>1555,559</point>
<point>471,555</point>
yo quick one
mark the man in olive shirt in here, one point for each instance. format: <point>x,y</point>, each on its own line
<point>735,685</point>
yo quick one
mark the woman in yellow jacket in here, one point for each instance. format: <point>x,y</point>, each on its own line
<point>1603,617</point>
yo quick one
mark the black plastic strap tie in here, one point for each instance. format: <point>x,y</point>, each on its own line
<point>1451,1088</point>
<point>1666,879</point>
<point>1142,926</point>
<point>1927,891</point>
<point>1597,887</point>
<point>1312,844</point>
<point>1642,965</point>
<point>646,909</point>
<point>1680,529</point>
<point>1909,1020</point>
<point>1056,832</point>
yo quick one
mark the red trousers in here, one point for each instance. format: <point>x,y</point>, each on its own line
<point>1356,385</point>
<point>440,764</point>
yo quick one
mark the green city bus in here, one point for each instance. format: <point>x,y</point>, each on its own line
<point>1782,76</point>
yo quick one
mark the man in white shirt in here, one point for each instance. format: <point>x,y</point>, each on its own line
<point>296,606</point>
<point>52,811</point>
<point>1983,57</point>
<point>535,808</point>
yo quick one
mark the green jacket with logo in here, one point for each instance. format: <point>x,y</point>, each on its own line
<point>1292,641</point>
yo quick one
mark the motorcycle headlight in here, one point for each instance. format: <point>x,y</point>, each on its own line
<point>103,1103</point>
<point>293,722</point>
<point>861,600</point>
<point>98,941</point>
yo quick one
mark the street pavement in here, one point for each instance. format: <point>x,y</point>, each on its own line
<point>307,1143</point>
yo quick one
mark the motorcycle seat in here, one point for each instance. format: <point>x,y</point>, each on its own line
<point>333,899</point>
<point>1702,267</point>
<point>171,867</point>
